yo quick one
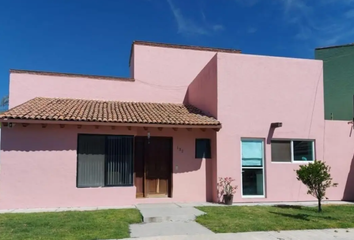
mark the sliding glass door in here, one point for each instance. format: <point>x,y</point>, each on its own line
<point>252,167</point>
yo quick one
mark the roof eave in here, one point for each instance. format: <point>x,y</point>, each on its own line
<point>98,123</point>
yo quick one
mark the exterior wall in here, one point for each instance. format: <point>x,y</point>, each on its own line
<point>202,92</point>
<point>41,173</point>
<point>161,75</point>
<point>253,92</point>
<point>131,64</point>
<point>338,75</point>
<point>339,153</point>
<point>168,70</point>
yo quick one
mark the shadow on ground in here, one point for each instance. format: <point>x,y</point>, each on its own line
<point>288,206</point>
<point>303,216</point>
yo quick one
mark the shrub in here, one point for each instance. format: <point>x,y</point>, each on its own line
<point>316,176</point>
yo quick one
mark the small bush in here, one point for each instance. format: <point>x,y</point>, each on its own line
<point>316,176</point>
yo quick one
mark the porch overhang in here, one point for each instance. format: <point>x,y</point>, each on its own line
<point>48,111</point>
<point>26,122</point>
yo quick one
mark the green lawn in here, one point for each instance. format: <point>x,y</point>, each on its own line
<point>103,224</point>
<point>275,218</point>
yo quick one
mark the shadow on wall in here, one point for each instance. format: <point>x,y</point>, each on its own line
<point>270,134</point>
<point>202,91</point>
<point>349,186</point>
<point>36,139</point>
<point>190,166</point>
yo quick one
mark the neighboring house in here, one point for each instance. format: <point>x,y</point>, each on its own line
<point>187,116</point>
<point>338,74</point>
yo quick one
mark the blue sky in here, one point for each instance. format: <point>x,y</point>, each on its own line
<point>94,36</point>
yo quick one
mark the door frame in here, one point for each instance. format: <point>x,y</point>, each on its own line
<point>145,150</point>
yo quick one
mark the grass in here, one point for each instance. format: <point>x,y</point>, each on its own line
<point>275,218</point>
<point>103,224</point>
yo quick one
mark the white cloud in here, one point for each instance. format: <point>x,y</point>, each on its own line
<point>189,26</point>
<point>184,24</point>
<point>349,14</point>
<point>217,27</point>
<point>294,5</point>
<point>252,30</point>
<point>327,28</point>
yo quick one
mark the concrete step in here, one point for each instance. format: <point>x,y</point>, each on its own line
<point>167,229</point>
<point>153,213</point>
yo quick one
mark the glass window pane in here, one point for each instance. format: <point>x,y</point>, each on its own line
<point>252,182</point>
<point>281,151</point>
<point>252,153</point>
<point>119,161</point>
<point>90,160</point>
<point>202,148</point>
<point>303,151</point>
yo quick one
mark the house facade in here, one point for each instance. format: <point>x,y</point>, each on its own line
<point>338,73</point>
<point>185,118</point>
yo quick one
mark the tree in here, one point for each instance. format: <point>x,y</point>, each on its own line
<point>316,176</point>
<point>4,101</point>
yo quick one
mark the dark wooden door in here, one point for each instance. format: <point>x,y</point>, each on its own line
<point>158,166</point>
<point>153,166</point>
<point>139,173</point>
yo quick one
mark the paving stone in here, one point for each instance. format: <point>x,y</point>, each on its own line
<point>169,214</point>
<point>167,229</point>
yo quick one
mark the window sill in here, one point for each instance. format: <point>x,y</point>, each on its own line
<point>121,186</point>
<point>254,196</point>
<point>294,162</point>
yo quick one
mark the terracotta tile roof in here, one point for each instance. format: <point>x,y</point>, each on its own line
<point>71,75</point>
<point>179,46</point>
<point>60,109</point>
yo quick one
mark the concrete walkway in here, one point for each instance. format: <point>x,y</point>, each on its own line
<point>328,234</point>
<point>166,220</point>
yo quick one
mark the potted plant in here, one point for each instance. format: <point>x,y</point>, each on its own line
<point>227,190</point>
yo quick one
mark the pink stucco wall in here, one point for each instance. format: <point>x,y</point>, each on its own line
<point>41,172</point>
<point>339,153</point>
<point>253,92</point>
<point>202,92</point>
<point>161,75</point>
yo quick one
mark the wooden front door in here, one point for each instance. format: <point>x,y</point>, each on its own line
<point>153,166</point>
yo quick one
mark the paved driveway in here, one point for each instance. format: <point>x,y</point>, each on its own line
<point>328,234</point>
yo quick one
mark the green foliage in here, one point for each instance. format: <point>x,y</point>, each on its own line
<point>4,101</point>
<point>316,176</point>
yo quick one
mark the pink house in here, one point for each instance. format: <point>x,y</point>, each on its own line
<point>187,116</point>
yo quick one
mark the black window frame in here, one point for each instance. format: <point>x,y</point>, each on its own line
<point>203,143</point>
<point>105,161</point>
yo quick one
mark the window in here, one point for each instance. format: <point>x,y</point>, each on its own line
<point>292,150</point>
<point>202,148</point>
<point>252,158</point>
<point>104,160</point>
